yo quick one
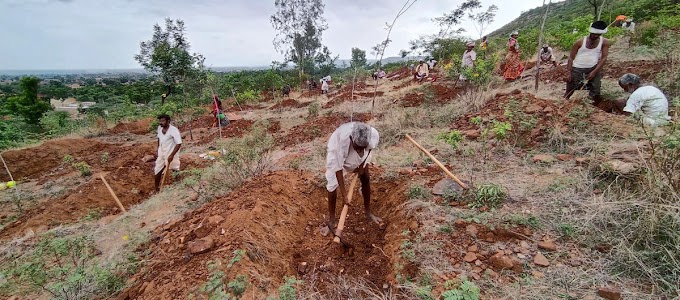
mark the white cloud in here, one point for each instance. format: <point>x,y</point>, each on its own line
<point>99,34</point>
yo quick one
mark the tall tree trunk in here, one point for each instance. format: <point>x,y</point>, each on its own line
<point>164,96</point>
<point>540,40</point>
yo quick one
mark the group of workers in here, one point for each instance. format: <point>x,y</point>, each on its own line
<point>351,145</point>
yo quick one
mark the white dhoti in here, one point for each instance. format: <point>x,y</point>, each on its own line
<point>166,144</point>
<point>160,163</point>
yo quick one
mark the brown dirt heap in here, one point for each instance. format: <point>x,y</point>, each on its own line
<point>275,218</point>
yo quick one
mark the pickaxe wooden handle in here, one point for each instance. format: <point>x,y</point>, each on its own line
<point>345,209</point>
<point>165,174</point>
<point>436,161</point>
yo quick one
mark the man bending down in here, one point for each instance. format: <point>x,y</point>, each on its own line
<point>349,150</point>
<point>169,142</point>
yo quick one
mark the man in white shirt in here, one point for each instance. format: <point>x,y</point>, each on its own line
<point>432,63</point>
<point>468,61</point>
<point>422,71</point>
<point>547,55</point>
<point>349,150</point>
<point>169,142</point>
<point>629,25</point>
<point>647,102</point>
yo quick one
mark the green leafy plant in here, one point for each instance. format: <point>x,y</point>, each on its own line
<point>59,266</point>
<point>104,157</point>
<point>287,291</point>
<point>501,129</point>
<point>68,159</point>
<point>313,110</point>
<point>466,291</point>
<point>489,195</point>
<point>453,138</point>
<point>476,120</point>
<point>83,168</point>
<point>417,191</point>
<point>568,231</point>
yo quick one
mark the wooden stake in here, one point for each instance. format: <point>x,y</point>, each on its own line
<point>345,209</point>
<point>165,175</point>
<point>540,41</point>
<point>463,185</point>
<point>6,168</point>
<point>120,205</point>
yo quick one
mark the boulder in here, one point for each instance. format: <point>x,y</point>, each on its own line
<point>548,246</point>
<point>540,260</point>
<point>201,245</point>
<point>609,293</point>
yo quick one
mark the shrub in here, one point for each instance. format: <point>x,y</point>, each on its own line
<point>247,156</point>
<point>59,267</point>
<point>453,138</point>
<point>83,168</point>
<point>313,110</point>
<point>466,291</point>
<point>489,195</point>
<point>287,290</point>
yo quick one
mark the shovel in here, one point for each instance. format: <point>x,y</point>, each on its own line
<point>343,214</point>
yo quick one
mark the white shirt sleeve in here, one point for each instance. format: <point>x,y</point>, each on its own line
<point>375,139</point>
<point>634,103</point>
<point>473,55</point>
<point>336,151</point>
<point>176,136</point>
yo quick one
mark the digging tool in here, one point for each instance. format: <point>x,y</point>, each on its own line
<point>165,175</point>
<point>463,185</point>
<point>343,215</point>
<point>7,169</point>
<point>120,205</point>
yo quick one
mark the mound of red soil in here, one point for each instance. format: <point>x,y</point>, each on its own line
<point>35,162</point>
<point>310,93</point>
<point>275,218</point>
<point>319,127</point>
<point>274,126</point>
<point>401,73</point>
<point>140,127</point>
<point>236,128</point>
<point>547,114</point>
<point>442,94</point>
<point>243,107</point>
<point>288,103</point>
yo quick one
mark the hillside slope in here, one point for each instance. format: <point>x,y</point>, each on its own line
<point>568,10</point>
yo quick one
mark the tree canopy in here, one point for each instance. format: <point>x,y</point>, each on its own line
<point>167,54</point>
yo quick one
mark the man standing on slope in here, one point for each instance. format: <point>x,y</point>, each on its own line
<point>349,150</point>
<point>169,142</point>
<point>586,60</point>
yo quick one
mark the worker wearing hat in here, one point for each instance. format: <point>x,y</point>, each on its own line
<point>586,59</point>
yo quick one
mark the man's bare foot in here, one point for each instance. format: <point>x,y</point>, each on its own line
<point>372,218</point>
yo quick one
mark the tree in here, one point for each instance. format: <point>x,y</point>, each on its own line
<point>595,4</point>
<point>167,54</point>
<point>358,58</point>
<point>482,20</point>
<point>299,25</point>
<point>450,19</point>
<point>27,104</point>
<point>325,61</point>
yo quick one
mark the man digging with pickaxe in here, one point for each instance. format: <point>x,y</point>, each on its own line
<point>349,150</point>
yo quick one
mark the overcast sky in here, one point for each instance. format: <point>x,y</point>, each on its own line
<point>105,34</point>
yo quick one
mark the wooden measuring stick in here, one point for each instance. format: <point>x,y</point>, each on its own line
<point>6,168</point>
<point>345,209</point>
<point>463,185</point>
<point>120,205</point>
<point>165,175</point>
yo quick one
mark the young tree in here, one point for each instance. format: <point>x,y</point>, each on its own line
<point>450,19</point>
<point>167,54</point>
<point>299,25</point>
<point>325,61</point>
<point>482,20</point>
<point>358,58</point>
<point>27,104</point>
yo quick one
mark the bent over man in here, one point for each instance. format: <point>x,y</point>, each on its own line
<point>349,150</point>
